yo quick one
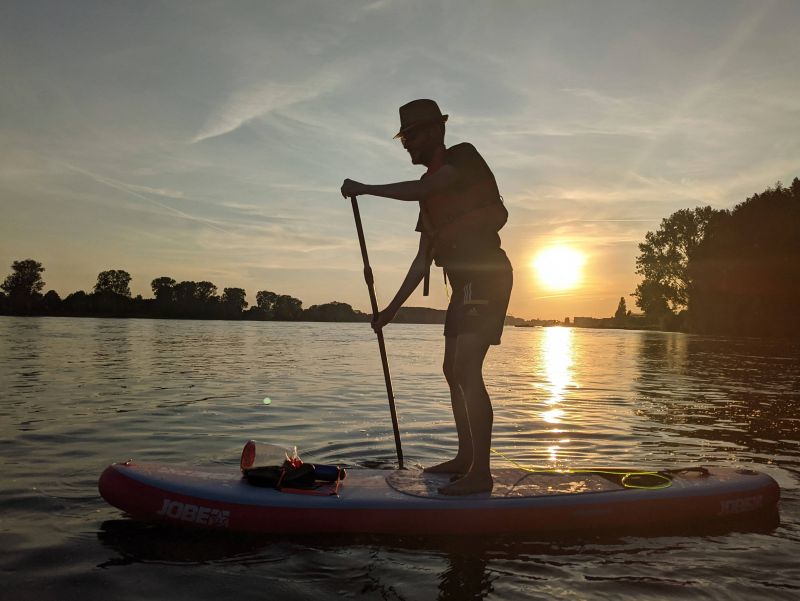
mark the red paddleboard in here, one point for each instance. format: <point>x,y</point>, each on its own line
<point>407,502</point>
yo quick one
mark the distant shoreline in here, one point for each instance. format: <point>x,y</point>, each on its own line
<point>430,317</point>
<point>509,320</point>
<point>554,323</point>
<point>340,313</point>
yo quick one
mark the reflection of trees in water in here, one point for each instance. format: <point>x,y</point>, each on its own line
<point>740,392</point>
<point>112,343</point>
<point>23,345</point>
<point>23,370</point>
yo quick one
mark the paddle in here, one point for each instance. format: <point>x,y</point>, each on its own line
<point>371,287</point>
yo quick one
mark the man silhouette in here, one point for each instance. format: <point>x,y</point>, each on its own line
<point>460,214</point>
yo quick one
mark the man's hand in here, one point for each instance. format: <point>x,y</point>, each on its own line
<point>382,319</point>
<point>352,188</point>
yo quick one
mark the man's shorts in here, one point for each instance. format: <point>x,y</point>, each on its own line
<point>478,303</point>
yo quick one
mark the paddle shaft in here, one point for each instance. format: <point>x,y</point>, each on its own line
<point>374,301</point>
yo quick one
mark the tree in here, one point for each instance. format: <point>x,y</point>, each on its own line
<point>622,309</point>
<point>184,294</point>
<point>651,297</point>
<point>206,292</point>
<point>196,299</point>
<point>664,260</point>
<point>266,302</point>
<point>333,311</point>
<point>288,308</point>
<point>746,273</point>
<point>113,281</point>
<point>77,303</point>
<point>24,284</point>
<point>51,302</point>
<point>26,279</point>
<point>163,289</point>
<point>233,301</point>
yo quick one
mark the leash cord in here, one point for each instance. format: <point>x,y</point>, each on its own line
<point>627,479</point>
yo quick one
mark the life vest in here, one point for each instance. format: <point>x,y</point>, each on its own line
<point>451,215</point>
<point>461,214</point>
<point>464,208</point>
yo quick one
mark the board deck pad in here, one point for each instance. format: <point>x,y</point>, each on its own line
<point>508,483</point>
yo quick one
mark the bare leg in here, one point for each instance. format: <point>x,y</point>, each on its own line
<point>470,352</point>
<point>463,459</point>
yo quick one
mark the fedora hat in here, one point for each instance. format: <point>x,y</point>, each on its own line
<point>418,112</point>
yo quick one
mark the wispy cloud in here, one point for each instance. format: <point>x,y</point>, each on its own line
<point>135,191</point>
<point>259,100</point>
<point>376,6</point>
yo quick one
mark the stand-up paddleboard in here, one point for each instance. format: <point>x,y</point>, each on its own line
<point>407,501</point>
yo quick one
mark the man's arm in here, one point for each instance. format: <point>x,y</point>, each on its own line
<point>412,190</point>
<point>416,272</point>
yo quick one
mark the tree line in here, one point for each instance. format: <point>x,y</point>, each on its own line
<point>729,272</point>
<point>111,297</point>
<point>704,270</point>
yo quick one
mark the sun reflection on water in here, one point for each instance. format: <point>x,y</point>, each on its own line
<point>553,416</point>
<point>557,353</point>
<point>557,363</point>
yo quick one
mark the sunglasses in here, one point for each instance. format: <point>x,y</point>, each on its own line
<point>412,134</point>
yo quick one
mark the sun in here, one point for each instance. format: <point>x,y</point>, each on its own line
<point>559,267</point>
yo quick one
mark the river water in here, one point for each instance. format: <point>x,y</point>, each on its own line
<point>78,394</point>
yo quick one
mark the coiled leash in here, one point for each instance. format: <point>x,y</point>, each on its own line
<point>627,478</point>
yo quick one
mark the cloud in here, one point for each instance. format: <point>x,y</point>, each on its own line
<point>136,191</point>
<point>376,6</point>
<point>260,100</point>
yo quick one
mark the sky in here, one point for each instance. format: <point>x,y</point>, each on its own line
<point>208,140</point>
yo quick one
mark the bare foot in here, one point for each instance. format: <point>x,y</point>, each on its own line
<point>454,466</point>
<point>469,485</point>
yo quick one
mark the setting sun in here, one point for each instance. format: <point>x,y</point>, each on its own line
<point>559,267</point>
